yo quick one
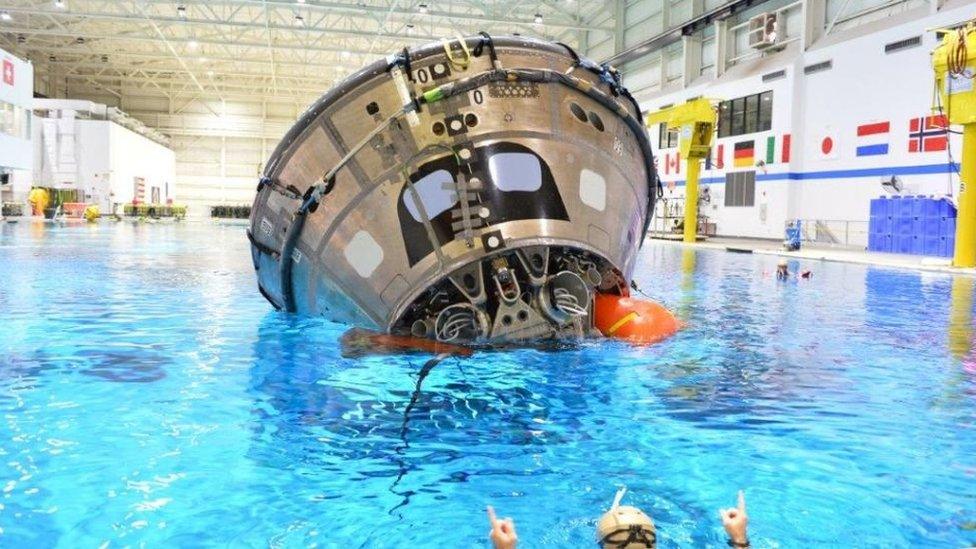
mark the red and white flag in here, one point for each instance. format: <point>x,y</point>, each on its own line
<point>8,72</point>
<point>928,134</point>
<point>716,158</point>
<point>827,145</point>
<point>672,163</point>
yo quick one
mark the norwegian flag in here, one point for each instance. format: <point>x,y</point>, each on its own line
<point>927,134</point>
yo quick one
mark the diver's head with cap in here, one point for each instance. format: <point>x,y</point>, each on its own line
<point>625,527</point>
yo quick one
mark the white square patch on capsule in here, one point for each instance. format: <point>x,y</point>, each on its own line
<point>593,190</point>
<point>363,253</point>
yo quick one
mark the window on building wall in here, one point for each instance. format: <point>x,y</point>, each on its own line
<point>750,114</point>
<point>666,139</point>
<point>740,189</point>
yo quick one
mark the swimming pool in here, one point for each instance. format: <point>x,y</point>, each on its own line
<point>150,396</point>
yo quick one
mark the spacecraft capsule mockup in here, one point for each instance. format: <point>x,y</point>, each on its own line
<point>475,189</point>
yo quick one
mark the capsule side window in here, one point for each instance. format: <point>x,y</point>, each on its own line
<point>437,195</point>
<point>515,171</point>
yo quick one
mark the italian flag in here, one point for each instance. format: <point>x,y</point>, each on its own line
<point>784,149</point>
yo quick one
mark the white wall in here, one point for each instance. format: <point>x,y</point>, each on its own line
<point>109,157</point>
<point>16,153</point>
<point>132,155</point>
<point>864,85</point>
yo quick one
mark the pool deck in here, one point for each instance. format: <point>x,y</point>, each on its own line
<point>815,252</point>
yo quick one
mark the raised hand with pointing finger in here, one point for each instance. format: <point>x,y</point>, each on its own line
<point>502,533</point>
<point>735,520</point>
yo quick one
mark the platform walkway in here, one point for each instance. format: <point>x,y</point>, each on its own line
<point>812,251</point>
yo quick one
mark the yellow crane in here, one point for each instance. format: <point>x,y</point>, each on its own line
<point>954,61</point>
<point>695,123</point>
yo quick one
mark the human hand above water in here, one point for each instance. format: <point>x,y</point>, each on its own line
<point>735,520</point>
<point>502,533</point>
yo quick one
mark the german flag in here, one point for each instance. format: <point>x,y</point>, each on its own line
<point>744,154</point>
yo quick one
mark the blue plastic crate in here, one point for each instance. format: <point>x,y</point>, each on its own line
<point>902,243</point>
<point>950,245</point>
<point>905,207</point>
<point>932,226</point>
<point>918,244</point>
<point>885,241</point>
<point>919,203</point>
<point>918,226</point>
<point>934,245</point>
<point>879,242</point>
<point>903,226</point>
<point>945,208</point>
<point>879,225</point>
<point>948,226</point>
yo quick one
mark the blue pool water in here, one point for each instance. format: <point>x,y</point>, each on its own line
<point>149,396</point>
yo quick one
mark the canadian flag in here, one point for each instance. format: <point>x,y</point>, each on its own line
<point>8,72</point>
<point>672,163</point>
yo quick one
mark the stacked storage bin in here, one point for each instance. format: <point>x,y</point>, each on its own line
<point>880,226</point>
<point>919,225</point>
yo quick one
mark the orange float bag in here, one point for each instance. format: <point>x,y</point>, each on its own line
<point>632,319</point>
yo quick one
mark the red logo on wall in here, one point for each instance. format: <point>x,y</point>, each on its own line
<point>8,72</point>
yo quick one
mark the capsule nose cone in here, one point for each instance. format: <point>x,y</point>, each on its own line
<point>634,320</point>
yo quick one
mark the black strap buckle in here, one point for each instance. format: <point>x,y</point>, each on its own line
<point>636,533</point>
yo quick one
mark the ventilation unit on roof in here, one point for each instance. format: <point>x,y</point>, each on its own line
<point>762,31</point>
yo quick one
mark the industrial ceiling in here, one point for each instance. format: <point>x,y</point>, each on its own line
<point>255,49</point>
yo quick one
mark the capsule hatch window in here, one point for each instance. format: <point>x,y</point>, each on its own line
<point>437,195</point>
<point>515,171</point>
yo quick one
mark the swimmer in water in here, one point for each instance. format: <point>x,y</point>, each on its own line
<point>783,272</point>
<point>626,527</point>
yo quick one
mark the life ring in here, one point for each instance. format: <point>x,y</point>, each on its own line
<point>634,320</point>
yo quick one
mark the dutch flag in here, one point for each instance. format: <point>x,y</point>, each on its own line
<point>872,139</point>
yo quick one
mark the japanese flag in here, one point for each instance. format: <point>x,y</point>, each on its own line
<point>827,145</point>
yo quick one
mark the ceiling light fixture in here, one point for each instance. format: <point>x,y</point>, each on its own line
<point>422,8</point>
<point>345,54</point>
<point>5,16</point>
<point>538,19</point>
<point>181,11</point>
<point>299,21</point>
<point>192,44</point>
<point>60,4</point>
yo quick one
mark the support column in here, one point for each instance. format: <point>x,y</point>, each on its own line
<point>814,19</point>
<point>721,47</point>
<point>691,200</point>
<point>691,52</point>
<point>619,26</point>
<point>965,252</point>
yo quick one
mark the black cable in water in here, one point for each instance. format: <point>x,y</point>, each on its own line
<point>421,376</point>
<point>402,466</point>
